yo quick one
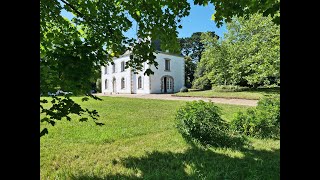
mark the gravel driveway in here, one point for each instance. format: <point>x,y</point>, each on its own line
<point>245,102</point>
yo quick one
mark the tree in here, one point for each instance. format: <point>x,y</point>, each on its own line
<point>192,46</point>
<point>256,52</point>
<point>190,68</point>
<point>216,58</point>
<point>201,79</point>
<point>248,56</point>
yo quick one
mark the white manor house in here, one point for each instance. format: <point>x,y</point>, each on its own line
<point>168,78</point>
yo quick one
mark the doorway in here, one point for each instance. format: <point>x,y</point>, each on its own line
<point>167,84</point>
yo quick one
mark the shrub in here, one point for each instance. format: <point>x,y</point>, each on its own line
<point>229,88</point>
<point>200,122</point>
<point>184,89</point>
<point>262,121</point>
<point>202,83</point>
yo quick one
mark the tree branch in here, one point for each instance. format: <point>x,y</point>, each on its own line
<point>73,8</point>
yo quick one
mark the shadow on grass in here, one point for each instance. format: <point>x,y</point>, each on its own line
<point>196,163</point>
<point>272,90</point>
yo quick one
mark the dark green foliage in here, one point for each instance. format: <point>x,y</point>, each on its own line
<point>202,83</point>
<point>98,85</point>
<point>225,10</point>
<point>184,89</point>
<point>200,122</point>
<point>193,47</point>
<point>229,88</point>
<point>262,121</point>
<point>43,132</point>
<point>189,69</point>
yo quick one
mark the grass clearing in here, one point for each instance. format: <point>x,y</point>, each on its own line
<point>254,94</point>
<point>139,140</point>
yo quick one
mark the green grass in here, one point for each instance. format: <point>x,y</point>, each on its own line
<point>139,140</point>
<point>255,94</point>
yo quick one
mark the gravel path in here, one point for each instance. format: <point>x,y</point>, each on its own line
<point>245,102</point>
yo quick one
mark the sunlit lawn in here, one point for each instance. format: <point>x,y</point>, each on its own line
<point>139,140</point>
<point>249,94</point>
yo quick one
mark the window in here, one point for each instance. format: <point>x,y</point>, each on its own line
<point>122,83</point>
<point>167,65</point>
<point>106,84</point>
<point>106,70</point>
<point>114,68</point>
<point>122,66</point>
<point>139,82</point>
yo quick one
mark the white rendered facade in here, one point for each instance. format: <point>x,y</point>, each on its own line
<point>168,78</point>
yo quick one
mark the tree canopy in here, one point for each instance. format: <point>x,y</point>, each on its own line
<point>192,46</point>
<point>226,10</point>
<point>248,56</point>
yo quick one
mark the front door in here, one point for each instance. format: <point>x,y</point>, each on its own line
<point>165,84</point>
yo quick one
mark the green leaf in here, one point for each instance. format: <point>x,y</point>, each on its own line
<point>213,17</point>
<point>138,13</point>
<point>44,132</point>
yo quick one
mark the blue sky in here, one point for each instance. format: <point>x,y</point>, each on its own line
<point>199,20</point>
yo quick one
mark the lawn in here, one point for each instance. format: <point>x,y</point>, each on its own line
<point>139,140</point>
<point>249,94</point>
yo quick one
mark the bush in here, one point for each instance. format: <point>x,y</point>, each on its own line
<point>262,121</point>
<point>200,122</point>
<point>184,89</point>
<point>202,83</point>
<point>229,88</point>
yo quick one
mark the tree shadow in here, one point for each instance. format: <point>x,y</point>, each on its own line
<point>199,163</point>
